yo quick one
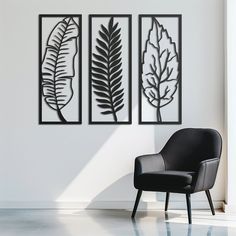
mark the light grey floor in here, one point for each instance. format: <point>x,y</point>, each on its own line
<point>113,222</point>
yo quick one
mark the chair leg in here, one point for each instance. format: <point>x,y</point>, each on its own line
<point>136,202</point>
<point>188,200</point>
<point>210,202</point>
<point>167,201</point>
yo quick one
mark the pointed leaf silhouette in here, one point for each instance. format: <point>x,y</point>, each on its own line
<point>160,67</point>
<point>107,70</point>
<point>58,65</point>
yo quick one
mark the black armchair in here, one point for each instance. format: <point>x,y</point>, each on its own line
<point>187,164</point>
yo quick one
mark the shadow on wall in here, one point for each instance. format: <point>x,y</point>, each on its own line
<point>114,159</point>
<point>68,160</point>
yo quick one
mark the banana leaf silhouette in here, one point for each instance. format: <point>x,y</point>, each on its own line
<point>58,65</point>
<point>160,68</point>
<point>107,70</point>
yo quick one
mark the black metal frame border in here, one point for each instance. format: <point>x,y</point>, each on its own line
<point>179,17</point>
<point>40,16</point>
<point>129,16</point>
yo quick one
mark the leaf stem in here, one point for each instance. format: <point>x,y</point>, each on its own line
<point>114,115</point>
<point>61,117</point>
<point>108,74</point>
<point>159,119</point>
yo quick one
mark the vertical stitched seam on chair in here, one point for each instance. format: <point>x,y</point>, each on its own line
<point>163,161</point>
<point>204,175</point>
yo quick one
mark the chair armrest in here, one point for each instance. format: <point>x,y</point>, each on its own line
<point>206,174</point>
<point>148,163</point>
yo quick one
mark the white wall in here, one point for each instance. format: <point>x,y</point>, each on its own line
<point>50,165</point>
<point>231,105</point>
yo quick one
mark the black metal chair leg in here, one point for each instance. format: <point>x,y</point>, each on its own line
<point>167,201</point>
<point>136,203</point>
<point>210,202</point>
<point>188,200</point>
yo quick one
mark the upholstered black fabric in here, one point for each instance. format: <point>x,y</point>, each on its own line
<point>206,175</point>
<point>148,163</point>
<point>165,181</point>
<point>188,147</point>
<point>187,164</point>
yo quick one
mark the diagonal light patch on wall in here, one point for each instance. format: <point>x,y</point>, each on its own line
<point>110,163</point>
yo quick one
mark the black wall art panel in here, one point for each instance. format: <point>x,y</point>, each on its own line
<point>160,69</point>
<point>60,69</point>
<point>110,69</point>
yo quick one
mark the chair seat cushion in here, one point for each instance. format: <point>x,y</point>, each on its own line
<point>169,178</point>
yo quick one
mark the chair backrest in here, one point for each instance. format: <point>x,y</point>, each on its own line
<point>186,148</point>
